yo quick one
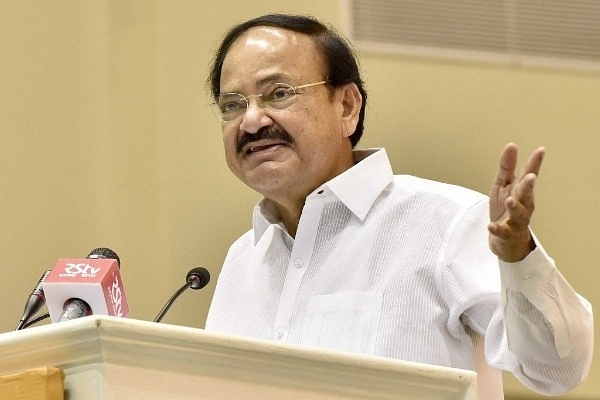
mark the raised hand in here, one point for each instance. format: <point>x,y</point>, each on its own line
<point>512,205</point>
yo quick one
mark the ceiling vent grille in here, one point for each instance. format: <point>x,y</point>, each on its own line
<point>562,33</point>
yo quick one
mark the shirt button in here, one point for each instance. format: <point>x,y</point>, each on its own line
<point>526,277</point>
<point>298,263</point>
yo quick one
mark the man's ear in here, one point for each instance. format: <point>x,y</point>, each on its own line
<point>351,103</point>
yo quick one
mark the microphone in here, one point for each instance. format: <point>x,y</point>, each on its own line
<point>196,278</point>
<point>34,303</point>
<point>78,287</point>
<point>104,252</point>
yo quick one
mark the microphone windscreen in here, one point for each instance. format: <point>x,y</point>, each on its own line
<point>97,281</point>
<point>104,252</point>
<point>198,277</point>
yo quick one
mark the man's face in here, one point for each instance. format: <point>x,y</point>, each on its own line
<point>283,154</point>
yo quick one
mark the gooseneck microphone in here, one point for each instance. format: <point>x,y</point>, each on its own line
<point>196,279</point>
<point>35,301</point>
<point>84,286</point>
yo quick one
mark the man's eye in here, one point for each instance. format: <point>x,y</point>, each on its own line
<point>232,106</point>
<point>280,93</point>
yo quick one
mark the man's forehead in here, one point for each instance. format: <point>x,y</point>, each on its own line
<point>271,40</point>
<point>264,37</point>
<point>270,52</point>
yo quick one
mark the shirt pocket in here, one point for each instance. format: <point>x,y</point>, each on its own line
<point>346,321</point>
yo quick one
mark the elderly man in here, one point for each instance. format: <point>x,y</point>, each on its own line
<point>345,255</point>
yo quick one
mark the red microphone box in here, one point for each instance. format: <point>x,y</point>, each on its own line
<point>95,281</point>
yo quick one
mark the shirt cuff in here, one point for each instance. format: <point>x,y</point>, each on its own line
<point>526,275</point>
<point>537,278</point>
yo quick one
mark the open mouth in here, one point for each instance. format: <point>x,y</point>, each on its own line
<point>256,147</point>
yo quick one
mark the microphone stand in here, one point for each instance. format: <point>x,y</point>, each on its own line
<point>170,302</point>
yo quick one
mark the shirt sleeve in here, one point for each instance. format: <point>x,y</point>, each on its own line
<point>534,323</point>
<point>548,326</point>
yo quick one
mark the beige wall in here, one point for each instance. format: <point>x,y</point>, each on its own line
<point>107,140</point>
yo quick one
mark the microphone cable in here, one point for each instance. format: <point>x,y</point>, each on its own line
<point>36,320</point>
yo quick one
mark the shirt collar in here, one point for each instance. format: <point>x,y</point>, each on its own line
<point>358,188</point>
<point>361,185</point>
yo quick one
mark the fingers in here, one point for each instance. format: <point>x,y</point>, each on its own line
<point>534,163</point>
<point>525,183</point>
<point>524,188</point>
<point>519,211</point>
<point>507,165</point>
<point>520,204</point>
<point>512,204</point>
<point>518,214</point>
<point>512,197</point>
<point>508,162</point>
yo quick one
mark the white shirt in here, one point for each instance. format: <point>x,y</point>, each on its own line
<point>400,267</point>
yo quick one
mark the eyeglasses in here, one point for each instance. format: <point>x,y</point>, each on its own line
<point>276,96</point>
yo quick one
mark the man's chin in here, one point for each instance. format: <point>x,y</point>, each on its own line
<point>266,177</point>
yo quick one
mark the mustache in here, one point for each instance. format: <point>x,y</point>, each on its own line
<point>264,133</point>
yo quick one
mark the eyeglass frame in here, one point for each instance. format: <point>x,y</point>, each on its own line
<point>258,97</point>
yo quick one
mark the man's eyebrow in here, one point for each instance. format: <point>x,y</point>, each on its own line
<point>279,77</point>
<point>274,78</point>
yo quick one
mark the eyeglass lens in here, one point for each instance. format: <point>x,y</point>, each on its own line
<point>275,95</point>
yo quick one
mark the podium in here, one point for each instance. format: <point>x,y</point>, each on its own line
<point>113,358</point>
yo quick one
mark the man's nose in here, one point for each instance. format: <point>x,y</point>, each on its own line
<point>254,118</point>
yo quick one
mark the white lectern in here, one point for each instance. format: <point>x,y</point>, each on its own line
<point>118,358</point>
